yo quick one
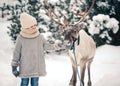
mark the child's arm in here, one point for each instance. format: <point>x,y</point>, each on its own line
<point>49,47</point>
<point>17,52</point>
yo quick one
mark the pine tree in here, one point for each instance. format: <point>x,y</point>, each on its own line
<point>111,8</point>
<point>100,28</point>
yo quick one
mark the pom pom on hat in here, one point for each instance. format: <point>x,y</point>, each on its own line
<point>27,20</point>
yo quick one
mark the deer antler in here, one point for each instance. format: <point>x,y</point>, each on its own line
<point>52,13</point>
<point>83,15</point>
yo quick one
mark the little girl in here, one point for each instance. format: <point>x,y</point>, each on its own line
<point>29,50</point>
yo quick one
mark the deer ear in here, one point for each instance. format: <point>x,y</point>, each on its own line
<point>61,28</point>
<point>79,27</point>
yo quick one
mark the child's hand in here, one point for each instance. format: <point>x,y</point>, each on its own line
<point>14,71</point>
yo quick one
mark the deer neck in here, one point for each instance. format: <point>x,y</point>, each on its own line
<point>74,40</point>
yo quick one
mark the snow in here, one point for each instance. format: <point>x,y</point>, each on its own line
<point>103,4</point>
<point>113,24</point>
<point>105,69</point>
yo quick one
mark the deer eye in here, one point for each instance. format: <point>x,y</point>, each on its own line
<point>75,31</point>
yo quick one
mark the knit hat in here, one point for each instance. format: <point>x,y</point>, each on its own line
<point>26,22</point>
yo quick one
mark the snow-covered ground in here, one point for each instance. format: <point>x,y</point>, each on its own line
<point>105,69</point>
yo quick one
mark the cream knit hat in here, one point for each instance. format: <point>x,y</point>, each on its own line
<point>26,22</point>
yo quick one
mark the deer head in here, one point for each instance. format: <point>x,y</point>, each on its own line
<point>70,31</point>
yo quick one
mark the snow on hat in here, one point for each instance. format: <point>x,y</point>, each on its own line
<point>27,20</point>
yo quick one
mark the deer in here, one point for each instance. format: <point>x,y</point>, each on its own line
<point>75,36</point>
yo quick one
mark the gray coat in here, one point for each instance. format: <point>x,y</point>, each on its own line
<point>29,56</point>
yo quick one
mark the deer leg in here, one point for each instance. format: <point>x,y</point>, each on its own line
<point>89,77</point>
<point>82,71</point>
<point>74,77</point>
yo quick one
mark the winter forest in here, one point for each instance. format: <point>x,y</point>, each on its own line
<point>102,23</point>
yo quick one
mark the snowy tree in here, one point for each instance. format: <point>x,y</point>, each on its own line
<point>111,8</point>
<point>67,9</point>
<point>102,27</point>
